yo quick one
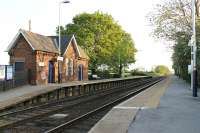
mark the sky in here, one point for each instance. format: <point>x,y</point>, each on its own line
<point>130,14</point>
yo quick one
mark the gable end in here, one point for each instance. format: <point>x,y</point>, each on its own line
<point>14,41</point>
<point>73,41</point>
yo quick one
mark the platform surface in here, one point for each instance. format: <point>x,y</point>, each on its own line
<point>121,116</point>
<point>178,112</point>
<point>22,93</point>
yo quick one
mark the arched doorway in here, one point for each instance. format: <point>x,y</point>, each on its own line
<point>51,74</point>
<point>80,72</point>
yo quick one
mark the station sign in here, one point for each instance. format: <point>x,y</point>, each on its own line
<point>9,72</point>
<point>41,63</point>
<point>189,69</point>
<point>6,72</point>
<point>60,58</point>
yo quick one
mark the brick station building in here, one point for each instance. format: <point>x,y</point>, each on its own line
<point>37,55</point>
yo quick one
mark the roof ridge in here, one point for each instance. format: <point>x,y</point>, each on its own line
<point>23,30</point>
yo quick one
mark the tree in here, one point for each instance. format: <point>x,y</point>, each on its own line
<point>125,53</point>
<point>181,56</point>
<point>100,36</point>
<point>171,20</point>
<point>171,17</point>
<point>162,70</point>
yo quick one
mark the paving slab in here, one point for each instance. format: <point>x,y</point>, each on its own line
<point>178,112</point>
<point>119,118</point>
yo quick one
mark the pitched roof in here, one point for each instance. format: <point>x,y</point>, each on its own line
<point>36,41</point>
<point>46,43</point>
<point>65,40</point>
<point>40,42</point>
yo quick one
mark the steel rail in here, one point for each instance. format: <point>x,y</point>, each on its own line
<point>137,83</point>
<point>71,122</point>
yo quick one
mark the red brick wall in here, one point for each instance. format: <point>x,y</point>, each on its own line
<point>42,72</point>
<point>22,51</point>
<point>72,54</point>
<point>84,62</point>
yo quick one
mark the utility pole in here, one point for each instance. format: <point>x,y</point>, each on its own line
<point>193,53</point>
<point>29,25</point>
<point>60,58</point>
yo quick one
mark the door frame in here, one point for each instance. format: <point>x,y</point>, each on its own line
<point>80,72</point>
<point>51,72</point>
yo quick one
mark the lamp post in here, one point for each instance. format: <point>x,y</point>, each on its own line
<point>60,59</point>
<point>193,53</point>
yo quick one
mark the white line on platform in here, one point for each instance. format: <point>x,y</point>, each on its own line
<point>121,107</point>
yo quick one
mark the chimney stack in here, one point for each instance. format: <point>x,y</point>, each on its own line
<point>29,23</point>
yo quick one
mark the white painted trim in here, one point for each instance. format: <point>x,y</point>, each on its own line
<point>13,42</point>
<point>67,47</point>
<point>76,45</point>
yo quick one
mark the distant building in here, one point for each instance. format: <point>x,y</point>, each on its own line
<point>37,55</point>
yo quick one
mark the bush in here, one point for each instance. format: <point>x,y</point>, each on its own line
<point>104,74</point>
<point>138,73</point>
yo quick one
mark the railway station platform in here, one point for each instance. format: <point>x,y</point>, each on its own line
<point>17,95</point>
<point>166,107</point>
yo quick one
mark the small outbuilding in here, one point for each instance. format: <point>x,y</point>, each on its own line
<point>36,57</point>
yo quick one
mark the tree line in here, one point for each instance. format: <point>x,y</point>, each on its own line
<point>172,21</point>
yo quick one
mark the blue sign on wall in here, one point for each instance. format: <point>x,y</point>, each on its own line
<point>9,72</point>
<point>6,72</point>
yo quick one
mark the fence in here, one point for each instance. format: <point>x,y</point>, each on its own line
<point>10,78</point>
<point>6,77</point>
<point>6,84</point>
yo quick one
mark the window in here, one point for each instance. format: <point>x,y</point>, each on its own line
<point>66,63</point>
<point>19,66</point>
<point>70,67</point>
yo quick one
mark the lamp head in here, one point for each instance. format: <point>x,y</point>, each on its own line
<point>65,1</point>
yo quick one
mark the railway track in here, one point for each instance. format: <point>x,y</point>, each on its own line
<point>84,123</point>
<point>52,117</point>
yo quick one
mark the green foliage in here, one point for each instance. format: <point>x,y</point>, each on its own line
<point>162,70</point>
<point>103,40</point>
<point>105,74</point>
<point>182,54</point>
<point>171,20</point>
<point>124,54</point>
<point>137,72</point>
<point>170,17</point>
<point>153,74</point>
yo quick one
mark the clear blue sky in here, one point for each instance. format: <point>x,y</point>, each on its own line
<point>130,14</point>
